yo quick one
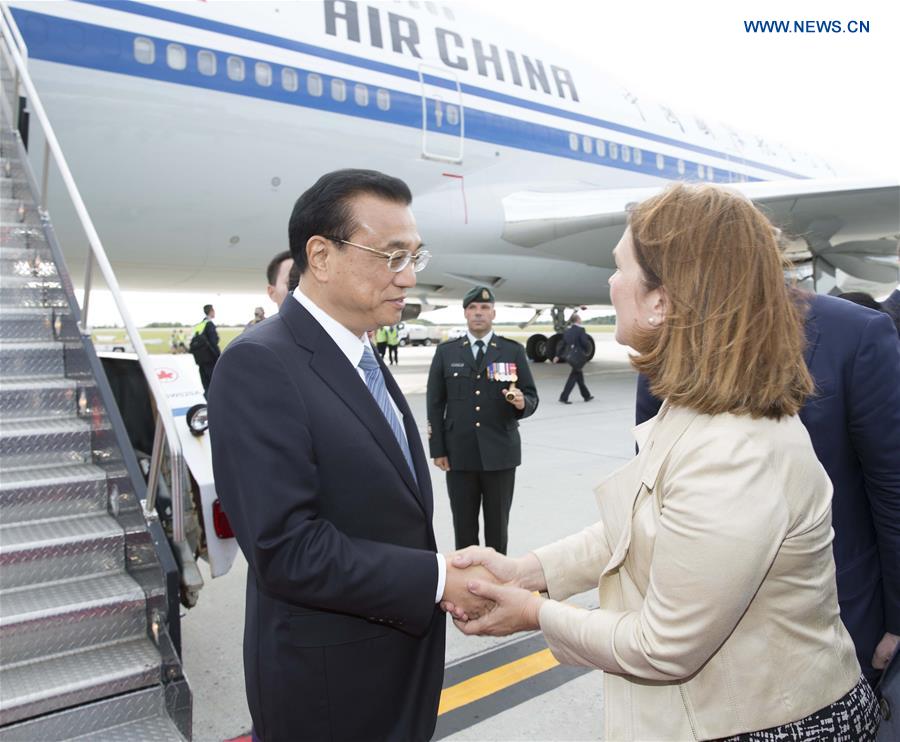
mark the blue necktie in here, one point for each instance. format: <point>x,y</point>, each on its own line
<point>375,382</point>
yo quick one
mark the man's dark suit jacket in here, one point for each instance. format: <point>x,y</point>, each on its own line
<point>854,423</point>
<point>343,640</point>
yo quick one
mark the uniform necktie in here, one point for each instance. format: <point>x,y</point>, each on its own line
<point>479,356</point>
<point>375,382</point>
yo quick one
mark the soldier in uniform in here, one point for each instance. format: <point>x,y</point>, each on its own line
<point>479,387</point>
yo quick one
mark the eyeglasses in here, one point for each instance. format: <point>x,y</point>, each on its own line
<point>396,260</point>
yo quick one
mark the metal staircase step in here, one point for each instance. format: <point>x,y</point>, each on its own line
<point>19,360</point>
<point>74,614</point>
<point>33,688</point>
<point>44,442</point>
<point>19,211</point>
<point>30,291</point>
<point>27,261</point>
<point>29,325</point>
<point>41,397</point>
<point>60,549</point>
<point>14,188</point>
<point>14,236</point>
<point>134,717</point>
<point>52,492</point>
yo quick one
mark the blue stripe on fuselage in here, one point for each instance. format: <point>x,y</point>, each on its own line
<point>98,47</point>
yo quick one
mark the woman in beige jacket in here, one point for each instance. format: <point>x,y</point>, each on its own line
<point>718,609</point>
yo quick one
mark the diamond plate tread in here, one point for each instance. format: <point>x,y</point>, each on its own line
<point>31,359</point>
<point>31,264</point>
<point>9,213</point>
<point>40,494</point>
<point>38,621</point>
<point>23,325</point>
<point>38,398</point>
<point>17,281</point>
<point>45,441</point>
<point>53,550</point>
<point>16,236</point>
<point>33,297</point>
<point>34,688</point>
<point>134,717</point>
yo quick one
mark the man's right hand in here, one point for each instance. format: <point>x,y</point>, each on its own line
<point>442,463</point>
<point>456,591</point>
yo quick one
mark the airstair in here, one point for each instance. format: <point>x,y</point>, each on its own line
<point>89,644</point>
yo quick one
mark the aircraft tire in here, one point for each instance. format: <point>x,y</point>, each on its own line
<point>536,348</point>
<point>593,349</point>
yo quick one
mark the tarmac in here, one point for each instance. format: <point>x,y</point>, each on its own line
<point>504,688</point>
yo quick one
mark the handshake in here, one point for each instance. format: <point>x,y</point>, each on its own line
<point>490,594</point>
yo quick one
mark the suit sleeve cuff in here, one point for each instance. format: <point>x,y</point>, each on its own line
<point>442,576</point>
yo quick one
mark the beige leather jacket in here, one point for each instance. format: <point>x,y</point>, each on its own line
<point>718,606</point>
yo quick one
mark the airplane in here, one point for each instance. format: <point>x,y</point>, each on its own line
<point>192,127</point>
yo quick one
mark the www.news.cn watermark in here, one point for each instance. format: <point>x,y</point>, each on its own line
<point>807,26</point>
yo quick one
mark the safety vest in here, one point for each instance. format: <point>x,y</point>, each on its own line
<point>200,327</point>
<point>393,336</point>
<point>381,335</point>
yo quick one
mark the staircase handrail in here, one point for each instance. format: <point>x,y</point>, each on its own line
<point>10,32</point>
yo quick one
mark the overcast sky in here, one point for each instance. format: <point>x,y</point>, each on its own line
<point>831,94</point>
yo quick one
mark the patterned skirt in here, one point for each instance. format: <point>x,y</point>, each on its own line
<point>853,718</point>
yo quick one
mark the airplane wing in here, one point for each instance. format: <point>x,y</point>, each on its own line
<point>848,225</point>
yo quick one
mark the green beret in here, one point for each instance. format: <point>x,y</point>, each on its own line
<point>479,293</point>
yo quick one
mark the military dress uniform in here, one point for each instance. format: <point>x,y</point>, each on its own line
<point>471,423</point>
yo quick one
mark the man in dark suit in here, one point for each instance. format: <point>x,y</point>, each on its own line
<point>854,423</point>
<point>474,408</point>
<point>575,347</point>
<point>321,471</point>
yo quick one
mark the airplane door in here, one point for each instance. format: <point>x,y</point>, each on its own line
<point>443,121</point>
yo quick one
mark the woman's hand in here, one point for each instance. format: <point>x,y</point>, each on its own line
<point>516,609</point>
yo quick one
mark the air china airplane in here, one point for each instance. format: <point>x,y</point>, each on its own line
<point>191,128</point>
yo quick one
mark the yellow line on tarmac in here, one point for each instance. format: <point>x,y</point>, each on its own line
<point>492,681</point>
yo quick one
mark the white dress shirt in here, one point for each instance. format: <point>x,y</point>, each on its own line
<point>486,340</point>
<point>353,347</point>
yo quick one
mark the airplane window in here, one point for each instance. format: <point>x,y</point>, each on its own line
<point>681,167</point>
<point>263,74</point>
<point>383,99</point>
<point>601,148</point>
<point>144,50</point>
<point>314,84</point>
<point>176,56</point>
<point>710,173</point>
<point>613,151</point>
<point>587,144</point>
<point>235,68</point>
<point>573,142</point>
<point>338,90</point>
<point>361,94</point>
<point>452,115</point>
<point>660,162</point>
<point>638,156</point>
<point>432,8</point>
<point>206,62</point>
<point>626,153</point>
<point>289,79</point>
<point>701,171</point>
<point>449,14</point>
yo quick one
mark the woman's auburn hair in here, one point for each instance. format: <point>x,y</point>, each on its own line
<point>732,339</point>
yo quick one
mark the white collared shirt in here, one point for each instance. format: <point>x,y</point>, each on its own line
<point>353,347</point>
<point>486,340</point>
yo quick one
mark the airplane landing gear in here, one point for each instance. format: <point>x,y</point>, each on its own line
<point>540,348</point>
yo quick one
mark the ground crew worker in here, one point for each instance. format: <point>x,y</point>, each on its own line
<point>381,340</point>
<point>473,411</point>
<point>205,346</point>
<point>393,342</point>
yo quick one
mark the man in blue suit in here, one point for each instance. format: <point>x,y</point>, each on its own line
<point>321,471</point>
<point>854,423</point>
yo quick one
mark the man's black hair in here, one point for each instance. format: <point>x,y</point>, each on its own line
<point>207,308</point>
<point>275,264</point>
<point>325,208</point>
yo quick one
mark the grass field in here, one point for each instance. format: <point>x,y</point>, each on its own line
<point>157,339</point>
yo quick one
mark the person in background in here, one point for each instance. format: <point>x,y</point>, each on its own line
<point>718,614</point>
<point>205,346</point>
<point>259,314</point>
<point>381,340</point>
<point>277,272</point>
<point>178,341</point>
<point>474,407</point>
<point>393,343</point>
<point>576,347</point>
